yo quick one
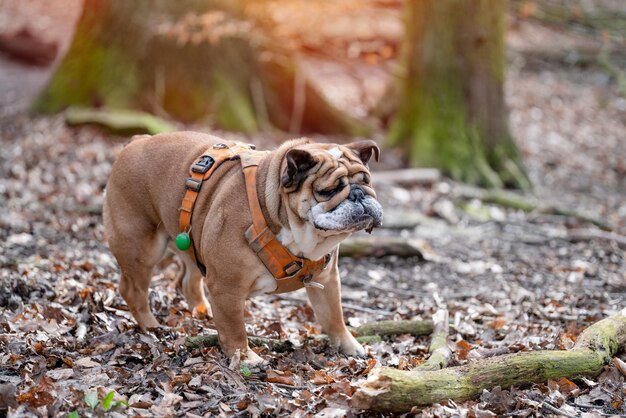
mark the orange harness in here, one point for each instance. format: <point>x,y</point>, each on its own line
<point>291,272</point>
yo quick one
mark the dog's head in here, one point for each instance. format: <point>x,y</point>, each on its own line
<point>327,188</point>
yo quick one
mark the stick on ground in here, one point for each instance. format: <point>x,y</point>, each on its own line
<point>439,351</point>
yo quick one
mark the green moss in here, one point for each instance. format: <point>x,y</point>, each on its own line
<point>90,75</point>
<point>233,108</point>
<point>420,387</point>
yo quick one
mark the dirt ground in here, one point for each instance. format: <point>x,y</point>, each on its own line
<point>512,281</point>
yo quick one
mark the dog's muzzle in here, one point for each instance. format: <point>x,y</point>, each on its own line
<point>358,211</point>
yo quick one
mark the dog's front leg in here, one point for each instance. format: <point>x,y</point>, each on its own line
<point>228,315</point>
<point>326,304</point>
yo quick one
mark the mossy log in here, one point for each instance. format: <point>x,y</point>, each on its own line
<point>451,112</point>
<point>211,340</point>
<point>391,390</point>
<point>194,61</point>
<point>365,334</point>
<point>379,247</point>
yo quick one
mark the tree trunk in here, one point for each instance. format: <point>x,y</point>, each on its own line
<point>191,60</point>
<point>451,111</point>
<point>390,390</point>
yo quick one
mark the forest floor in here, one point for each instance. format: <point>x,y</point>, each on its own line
<point>512,281</point>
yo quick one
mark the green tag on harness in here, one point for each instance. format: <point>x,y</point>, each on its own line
<point>183,241</point>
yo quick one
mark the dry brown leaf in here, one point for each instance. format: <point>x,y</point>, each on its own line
<point>320,377</point>
<point>277,376</point>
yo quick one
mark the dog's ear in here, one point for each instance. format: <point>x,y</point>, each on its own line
<point>364,149</point>
<point>299,162</point>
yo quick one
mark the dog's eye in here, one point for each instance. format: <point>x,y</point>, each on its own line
<point>366,178</point>
<point>328,193</point>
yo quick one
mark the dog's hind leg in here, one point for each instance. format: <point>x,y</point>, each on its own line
<point>192,285</point>
<point>137,250</point>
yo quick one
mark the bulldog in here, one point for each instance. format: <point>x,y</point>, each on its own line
<point>312,196</point>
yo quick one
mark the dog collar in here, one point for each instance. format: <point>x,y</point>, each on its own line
<point>290,272</point>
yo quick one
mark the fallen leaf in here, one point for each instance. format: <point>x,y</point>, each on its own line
<point>321,378</point>
<point>277,376</point>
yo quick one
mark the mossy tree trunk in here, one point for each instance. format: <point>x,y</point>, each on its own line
<point>451,112</point>
<point>191,60</point>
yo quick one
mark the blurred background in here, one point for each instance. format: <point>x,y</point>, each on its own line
<point>503,178</point>
<point>430,79</point>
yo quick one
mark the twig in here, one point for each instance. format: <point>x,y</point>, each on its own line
<point>344,304</point>
<point>556,410</point>
<point>366,310</point>
<point>584,234</point>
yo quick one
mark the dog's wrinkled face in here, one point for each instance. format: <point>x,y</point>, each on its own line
<point>328,186</point>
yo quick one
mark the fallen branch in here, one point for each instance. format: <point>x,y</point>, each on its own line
<point>365,334</point>
<point>391,390</point>
<point>389,328</point>
<point>439,351</point>
<point>379,247</point>
<point>528,205</point>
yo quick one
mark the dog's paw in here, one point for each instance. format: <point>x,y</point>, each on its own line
<point>351,347</point>
<point>252,359</point>
<point>246,358</point>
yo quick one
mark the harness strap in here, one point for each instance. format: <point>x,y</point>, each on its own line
<point>200,171</point>
<point>291,272</point>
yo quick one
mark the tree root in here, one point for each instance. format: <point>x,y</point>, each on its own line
<point>390,390</point>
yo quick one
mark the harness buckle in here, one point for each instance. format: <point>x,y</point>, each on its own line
<point>292,268</point>
<point>203,165</point>
<point>193,184</point>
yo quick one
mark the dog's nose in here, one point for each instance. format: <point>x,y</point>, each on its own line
<point>356,194</point>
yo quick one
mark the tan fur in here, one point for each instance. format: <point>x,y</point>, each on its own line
<point>144,193</point>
